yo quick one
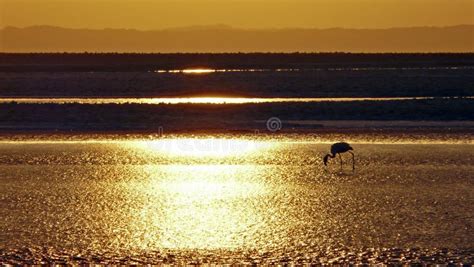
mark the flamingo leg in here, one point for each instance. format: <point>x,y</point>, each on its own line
<point>340,158</point>
<point>353,160</point>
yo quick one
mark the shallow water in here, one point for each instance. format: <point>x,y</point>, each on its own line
<point>234,201</point>
<point>204,100</point>
<point>200,71</point>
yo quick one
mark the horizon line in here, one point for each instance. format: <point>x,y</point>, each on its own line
<point>205,27</point>
<point>245,53</point>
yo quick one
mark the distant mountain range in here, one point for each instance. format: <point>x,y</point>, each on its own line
<point>221,38</point>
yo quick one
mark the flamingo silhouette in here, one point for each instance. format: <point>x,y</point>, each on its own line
<point>338,149</point>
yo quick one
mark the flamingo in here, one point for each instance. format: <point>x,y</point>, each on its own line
<point>339,148</point>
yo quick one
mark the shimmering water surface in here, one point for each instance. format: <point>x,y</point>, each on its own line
<point>234,200</point>
<point>203,100</point>
<point>201,71</point>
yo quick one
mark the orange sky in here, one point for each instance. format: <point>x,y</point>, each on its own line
<point>158,14</point>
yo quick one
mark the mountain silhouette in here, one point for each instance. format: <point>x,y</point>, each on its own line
<point>222,38</point>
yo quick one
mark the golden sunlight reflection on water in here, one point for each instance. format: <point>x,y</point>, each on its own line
<point>216,100</point>
<point>229,198</point>
<point>197,206</point>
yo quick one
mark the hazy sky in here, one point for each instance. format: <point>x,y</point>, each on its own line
<point>157,14</point>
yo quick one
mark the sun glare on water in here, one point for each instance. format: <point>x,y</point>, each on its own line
<point>207,100</point>
<point>203,100</point>
<point>196,206</point>
<point>198,71</point>
<point>200,206</point>
<point>189,71</point>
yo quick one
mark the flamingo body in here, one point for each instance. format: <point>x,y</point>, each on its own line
<point>339,148</point>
